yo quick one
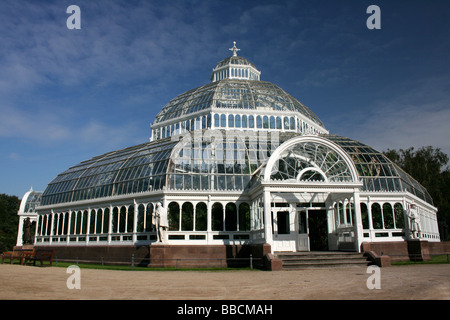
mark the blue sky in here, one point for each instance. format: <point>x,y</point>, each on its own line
<point>68,95</point>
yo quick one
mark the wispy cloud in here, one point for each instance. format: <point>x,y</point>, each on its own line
<point>416,117</point>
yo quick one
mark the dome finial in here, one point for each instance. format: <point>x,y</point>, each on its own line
<point>234,49</point>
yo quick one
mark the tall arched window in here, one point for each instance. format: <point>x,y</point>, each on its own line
<point>98,226</point>
<point>251,121</point>
<point>258,122</point>
<point>140,218</point>
<point>93,220</point>
<point>388,216</point>
<point>377,219</point>
<point>122,219</point>
<point>244,217</point>
<point>237,121</point>
<point>266,122</point>
<point>173,215</point>
<point>130,219</point>
<point>230,217</point>
<point>78,223</point>
<point>286,123</point>
<point>187,217</point>
<point>201,217</point>
<point>106,221</point>
<point>364,216</point>
<point>292,124</point>
<point>217,217</point>
<point>278,120</point>
<point>223,120</point>
<point>244,121</point>
<point>230,121</point>
<point>399,216</point>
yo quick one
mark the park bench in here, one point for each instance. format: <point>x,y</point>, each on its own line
<point>16,254</point>
<point>40,255</point>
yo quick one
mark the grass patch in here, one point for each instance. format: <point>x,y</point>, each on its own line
<point>438,259</point>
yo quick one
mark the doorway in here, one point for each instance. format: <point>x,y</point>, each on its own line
<point>318,230</point>
<point>312,230</point>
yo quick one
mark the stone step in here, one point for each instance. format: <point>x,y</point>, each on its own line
<point>304,260</point>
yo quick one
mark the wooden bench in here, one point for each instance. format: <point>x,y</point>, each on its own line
<point>16,254</point>
<point>40,255</point>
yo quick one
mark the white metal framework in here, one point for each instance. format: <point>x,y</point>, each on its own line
<point>237,161</point>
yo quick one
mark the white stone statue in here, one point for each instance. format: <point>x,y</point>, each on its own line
<point>414,222</point>
<point>159,219</point>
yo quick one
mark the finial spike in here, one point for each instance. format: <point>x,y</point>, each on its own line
<point>234,49</point>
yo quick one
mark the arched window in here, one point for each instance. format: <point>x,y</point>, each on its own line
<point>173,215</point>
<point>223,120</point>
<point>388,216</point>
<point>217,217</point>
<point>259,122</point>
<point>266,122</point>
<point>292,125</point>
<point>187,217</point>
<point>130,219</point>
<point>78,223</point>
<point>377,219</point>
<point>98,226</point>
<point>66,223</point>
<point>237,121</point>
<point>201,217</point>
<point>140,218</point>
<point>278,120</point>
<point>230,121</point>
<point>106,221</point>
<point>92,222</point>
<point>364,216</point>
<point>341,213</point>
<point>244,121</point>
<point>230,217</point>
<point>286,123</point>
<point>244,217</point>
<point>399,216</point>
<point>122,219</point>
<point>272,122</point>
<point>60,223</point>
<point>251,121</point>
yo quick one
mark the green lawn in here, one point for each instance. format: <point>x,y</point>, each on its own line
<point>434,260</point>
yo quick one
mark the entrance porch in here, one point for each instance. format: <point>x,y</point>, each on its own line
<point>314,221</point>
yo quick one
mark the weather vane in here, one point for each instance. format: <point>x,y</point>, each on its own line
<point>234,49</point>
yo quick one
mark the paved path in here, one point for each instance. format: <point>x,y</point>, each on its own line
<point>397,282</point>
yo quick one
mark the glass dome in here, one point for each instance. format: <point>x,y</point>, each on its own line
<point>237,95</point>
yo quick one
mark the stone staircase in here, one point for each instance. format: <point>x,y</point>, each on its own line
<point>321,259</point>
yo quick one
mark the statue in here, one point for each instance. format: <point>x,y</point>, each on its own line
<point>159,219</point>
<point>27,232</point>
<point>415,228</point>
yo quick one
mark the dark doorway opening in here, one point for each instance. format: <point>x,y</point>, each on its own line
<point>318,230</point>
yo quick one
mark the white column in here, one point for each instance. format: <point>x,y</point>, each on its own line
<point>268,219</point>
<point>19,241</point>
<point>359,235</point>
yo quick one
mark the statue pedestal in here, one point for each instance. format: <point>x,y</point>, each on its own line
<point>418,250</point>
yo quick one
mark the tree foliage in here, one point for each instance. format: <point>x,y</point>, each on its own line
<point>9,220</point>
<point>429,166</point>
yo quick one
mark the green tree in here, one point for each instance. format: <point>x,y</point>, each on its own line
<point>429,167</point>
<point>9,220</point>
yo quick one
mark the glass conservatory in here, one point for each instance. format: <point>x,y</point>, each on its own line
<point>237,161</point>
